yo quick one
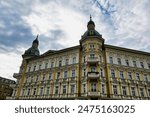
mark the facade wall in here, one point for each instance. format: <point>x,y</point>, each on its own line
<point>54,76</point>
<point>129,72</point>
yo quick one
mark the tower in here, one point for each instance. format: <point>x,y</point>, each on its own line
<point>92,63</point>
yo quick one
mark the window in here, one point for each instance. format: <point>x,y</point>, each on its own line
<point>37,78</point>
<point>142,65</point>
<point>34,68</point>
<point>112,73</point>
<point>23,92</point>
<point>137,76</point>
<point>93,87</point>
<point>134,64</point>
<point>148,64</point>
<point>74,60</point>
<point>100,58</point>
<point>84,59</point>
<point>64,89</point>
<point>46,65</point>
<point>101,72</point>
<point>92,56</point>
<point>29,69</point>
<point>84,72</point>
<point>145,78</point>
<point>47,90</point>
<point>84,88</point>
<point>124,91</point>
<point>34,91</point>
<point>121,75</point>
<point>127,62</point>
<point>129,75</point>
<point>41,91</point>
<point>141,92</point>
<point>31,79</point>
<point>65,74</point>
<point>26,80</point>
<point>56,90</point>
<point>44,77</point>
<point>133,91</point>
<point>40,66</point>
<point>60,62</point>
<point>115,90</point>
<point>58,75</point>
<point>52,64</point>
<point>91,32</point>
<point>72,89</point>
<point>50,76</point>
<point>93,69</point>
<point>91,46</point>
<point>67,62</point>
<point>28,92</point>
<point>73,73</point>
<point>111,60</point>
<point>119,61</point>
<point>103,89</point>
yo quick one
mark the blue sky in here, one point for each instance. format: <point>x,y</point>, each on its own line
<point>60,24</point>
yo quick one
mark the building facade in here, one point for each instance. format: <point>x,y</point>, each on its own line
<point>90,70</point>
<point>5,88</point>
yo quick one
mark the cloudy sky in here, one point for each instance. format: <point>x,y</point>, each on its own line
<point>60,24</point>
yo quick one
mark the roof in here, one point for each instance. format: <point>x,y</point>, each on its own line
<point>87,33</point>
<point>52,52</point>
<point>127,49</point>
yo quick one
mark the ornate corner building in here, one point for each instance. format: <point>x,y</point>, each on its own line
<point>90,70</point>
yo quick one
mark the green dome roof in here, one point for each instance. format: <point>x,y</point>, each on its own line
<point>91,22</point>
<point>91,33</point>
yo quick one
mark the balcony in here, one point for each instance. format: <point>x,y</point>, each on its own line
<point>12,85</point>
<point>93,93</point>
<point>92,60</point>
<point>93,75</point>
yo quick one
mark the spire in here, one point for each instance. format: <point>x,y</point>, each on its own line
<point>91,24</point>
<point>37,36</point>
<point>36,40</point>
<point>90,17</point>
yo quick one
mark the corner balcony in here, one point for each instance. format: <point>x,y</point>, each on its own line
<point>93,75</point>
<point>92,60</point>
<point>93,93</point>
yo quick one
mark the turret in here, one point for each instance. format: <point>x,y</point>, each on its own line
<point>33,50</point>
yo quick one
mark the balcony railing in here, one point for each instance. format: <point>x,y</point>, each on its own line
<point>93,75</point>
<point>93,93</point>
<point>92,59</point>
<point>12,85</point>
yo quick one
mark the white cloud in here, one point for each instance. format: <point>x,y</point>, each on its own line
<point>52,16</point>
<point>9,64</point>
<point>132,22</point>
